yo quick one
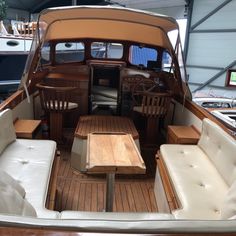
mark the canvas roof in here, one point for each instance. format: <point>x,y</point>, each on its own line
<point>108,23</point>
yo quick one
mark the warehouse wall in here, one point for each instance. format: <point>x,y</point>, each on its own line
<point>212,46</point>
<point>16,14</point>
<point>177,12</point>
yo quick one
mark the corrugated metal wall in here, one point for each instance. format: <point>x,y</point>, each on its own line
<point>212,46</point>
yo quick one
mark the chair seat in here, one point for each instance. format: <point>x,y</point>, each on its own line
<point>71,105</point>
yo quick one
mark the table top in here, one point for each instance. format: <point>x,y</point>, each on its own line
<point>94,123</point>
<point>113,153</point>
<point>25,128</point>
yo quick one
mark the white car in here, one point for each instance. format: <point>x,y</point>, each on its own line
<point>227,115</point>
<point>211,102</point>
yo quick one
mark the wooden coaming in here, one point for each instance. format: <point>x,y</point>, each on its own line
<point>169,190</point>
<point>53,231</point>
<point>52,189</point>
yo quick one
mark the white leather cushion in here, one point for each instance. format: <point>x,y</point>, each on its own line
<point>6,179</point>
<point>220,147</point>
<point>30,162</point>
<point>124,216</point>
<point>11,202</point>
<point>199,187</point>
<point>7,130</point>
<point>228,209</point>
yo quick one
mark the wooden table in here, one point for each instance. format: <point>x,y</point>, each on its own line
<point>113,154</point>
<point>94,123</point>
<point>182,135</point>
<point>26,128</point>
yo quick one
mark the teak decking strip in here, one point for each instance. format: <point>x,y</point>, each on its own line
<point>83,192</point>
<point>105,124</point>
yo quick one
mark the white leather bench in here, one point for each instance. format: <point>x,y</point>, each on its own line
<point>199,177</point>
<point>29,162</point>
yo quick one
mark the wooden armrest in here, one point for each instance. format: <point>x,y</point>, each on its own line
<point>57,88</point>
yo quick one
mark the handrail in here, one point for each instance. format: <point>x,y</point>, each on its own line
<point>154,94</point>
<point>58,88</point>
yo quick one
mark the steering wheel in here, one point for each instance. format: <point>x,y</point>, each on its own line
<point>145,85</point>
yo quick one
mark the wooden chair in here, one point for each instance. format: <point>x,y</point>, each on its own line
<point>154,106</point>
<point>56,101</point>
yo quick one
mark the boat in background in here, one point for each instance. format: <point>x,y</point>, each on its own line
<point>222,108</point>
<point>19,41</point>
<point>215,102</point>
<point>228,116</point>
<point>14,49</point>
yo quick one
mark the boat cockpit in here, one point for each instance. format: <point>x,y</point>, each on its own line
<point>119,131</point>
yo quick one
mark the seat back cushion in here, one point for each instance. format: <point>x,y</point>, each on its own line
<point>220,147</point>
<point>6,179</point>
<point>7,130</point>
<point>12,203</point>
<point>228,209</point>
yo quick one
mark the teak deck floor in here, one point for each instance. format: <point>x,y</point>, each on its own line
<point>86,192</point>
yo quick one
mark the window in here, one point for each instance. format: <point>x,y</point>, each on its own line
<point>231,78</point>
<point>106,50</point>
<point>140,56</point>
<point>69,52</point>
<point>182,31</point>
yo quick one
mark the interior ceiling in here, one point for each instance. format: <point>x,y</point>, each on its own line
<point>34,6</point>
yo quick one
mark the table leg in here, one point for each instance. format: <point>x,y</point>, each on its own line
<point>56,126</point>
<point>110,191</point>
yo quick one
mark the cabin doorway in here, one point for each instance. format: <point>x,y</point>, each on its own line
<point>104,91</point>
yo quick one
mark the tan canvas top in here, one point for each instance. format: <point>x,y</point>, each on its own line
<point>108,23</point>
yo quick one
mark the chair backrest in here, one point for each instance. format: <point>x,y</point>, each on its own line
<point>55,99</point>
<point>155,104</point>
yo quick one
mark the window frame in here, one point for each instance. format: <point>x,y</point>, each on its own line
<point>107,42</point>
<point>228,78</point>
<point>49,62</point>
<point>158,50</point>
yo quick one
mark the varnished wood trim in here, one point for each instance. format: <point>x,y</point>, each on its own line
<point>170,194</point>
<point>197,130</point>
<point>72,77</point>
<point>39,231</point>
<point>53,183</point>
<point>13,100</point>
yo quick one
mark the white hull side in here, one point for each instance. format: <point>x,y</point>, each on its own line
<point>14,44</point>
